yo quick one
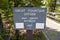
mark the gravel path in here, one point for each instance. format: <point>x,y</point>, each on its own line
<point>52,29</point>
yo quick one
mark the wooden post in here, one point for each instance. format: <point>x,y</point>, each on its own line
<point>29,35</point>
<point>16,31</point>
<point>1,24</point>
<point>17,34</point>
<point>29,32</point>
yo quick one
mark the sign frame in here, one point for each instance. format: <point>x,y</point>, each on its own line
<point>35,25</point>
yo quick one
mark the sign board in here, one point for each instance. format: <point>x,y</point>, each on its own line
<point>29,18</point>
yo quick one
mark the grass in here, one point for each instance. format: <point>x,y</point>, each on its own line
<point>53,34</point>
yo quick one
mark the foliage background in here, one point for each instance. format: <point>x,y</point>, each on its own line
<point>7,15</point>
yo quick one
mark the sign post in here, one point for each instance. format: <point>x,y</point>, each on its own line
<point>29,34</point>
<point>1,24</point>
<point>16,31</point>
<point>29,18</point>
<point>17,34</point>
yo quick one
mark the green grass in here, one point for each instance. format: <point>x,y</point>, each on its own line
<point>53,34</point>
